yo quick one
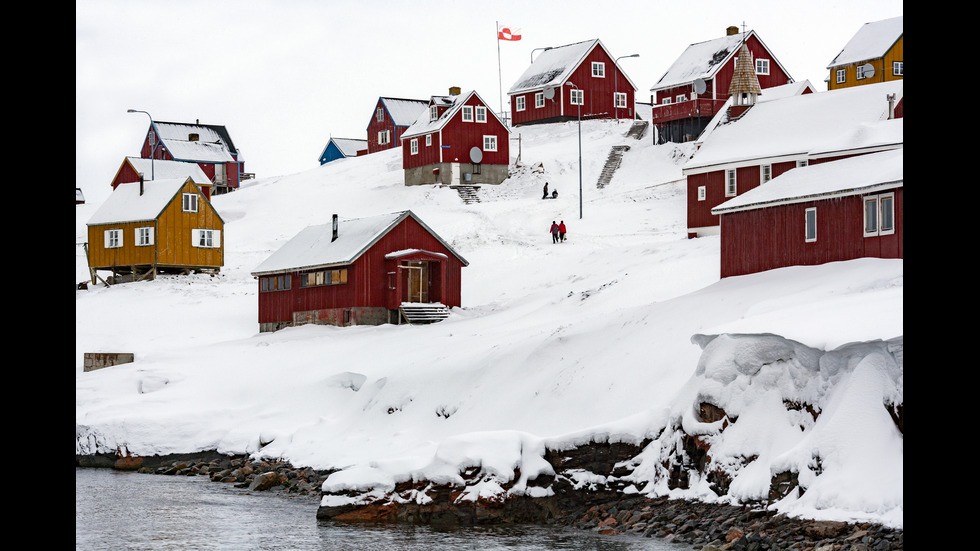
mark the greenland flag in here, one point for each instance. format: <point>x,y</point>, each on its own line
<point>506,33</point>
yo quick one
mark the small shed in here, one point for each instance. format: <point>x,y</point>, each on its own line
<point>390,268</point>
<point>832,211</point>
<point>134,168</point>
<point>341,148</point>
<point>144,228</point>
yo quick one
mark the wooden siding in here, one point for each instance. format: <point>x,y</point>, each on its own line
<point>882,65</point>
<point>768,238</point>
<point>367,279</point>
<point>452,144</point>
<point>376,126</point>
<point>233,170</point>
<point>715,182</point>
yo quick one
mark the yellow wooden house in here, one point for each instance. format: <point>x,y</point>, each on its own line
<point>876,53</point>
<point>158,226</point>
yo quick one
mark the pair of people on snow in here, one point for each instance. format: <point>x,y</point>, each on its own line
<point>554,194</point>
<point>557,232</point>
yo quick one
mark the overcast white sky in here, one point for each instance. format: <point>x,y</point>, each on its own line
<point>283,76</point>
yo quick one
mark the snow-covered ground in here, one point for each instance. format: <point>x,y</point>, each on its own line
<point>598,337</point>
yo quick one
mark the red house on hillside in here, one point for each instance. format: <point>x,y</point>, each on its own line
<point>783,132</point>
<point>457,140</point>
<point>565,79</point>
<point>694,89</point>
<point>365,271</point>
<point>838,210</point>
<point>389,120</point>
<point>207,145</point>
<point>153,169</point>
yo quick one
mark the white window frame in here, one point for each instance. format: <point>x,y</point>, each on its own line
<point>433,112</point>
<point>539,100</point>
<point>481,113</point>
<point>144,236</point>
<point>113,238</point>
<point>414,146</point>
<point>731,182</point>
<point>598,69</point>
<point>665,101</point>
<point>761,66</point>
<point>489,142</point>
<point>384,137</point>
<point>810,222</point>
<point>467,113</point>
<point>875,205</point>
<point>580,94</point>
<point>766,173</point>
<point>519,103</point>
<point>802,163</point>
<point>841,76</point>
<point>702,193</point>
<point>859,72</point>
<point>188,202</point>
<point>380,115</point>
<point>205,238</point>
<point>428,140</point>
<point>620,100</point>
<point>898,68</point>
<point>681,97</point>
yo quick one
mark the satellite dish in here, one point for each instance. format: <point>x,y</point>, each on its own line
<point>699,86</point>
<point>869,70</point>
<point>476,155</point>
<point>549,92</point>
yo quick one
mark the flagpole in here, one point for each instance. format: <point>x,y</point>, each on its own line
<point>500,84</point>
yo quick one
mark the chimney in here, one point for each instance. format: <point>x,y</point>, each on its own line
<point>334,229</point>
<point>731,30</point>
<point>891,106</point>
<point>454,90</point>
<point>141,184</point>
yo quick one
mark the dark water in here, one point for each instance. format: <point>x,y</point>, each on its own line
<point>131,511</point>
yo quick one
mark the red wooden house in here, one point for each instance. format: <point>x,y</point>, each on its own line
<point>389,120</point>
<point>366,271</point>
<point>563,80</point>
<point>457,140</point>
<point>154,169</point>
<point>207,145</point>
<point>833,211</point>
<point>781,133</point>
<point>696,86</point>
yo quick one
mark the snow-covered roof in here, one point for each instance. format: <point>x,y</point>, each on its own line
<point>160,169</point>
<point>863,137</point>
<point>793,126</point>
<point>348,146</point>
<point>850,176</point>
<point>423,125</point>
<point>554,66</point>
<point>403,112</point>
<point>213,145</point>
<point>126,204</point>
<point>702,60</point>
<point>873,40</point>
<point>314,247</point>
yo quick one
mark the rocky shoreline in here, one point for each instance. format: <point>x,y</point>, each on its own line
<point>706,527</point>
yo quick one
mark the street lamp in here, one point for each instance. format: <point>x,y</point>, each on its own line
<point>570,83</point>
<point>156,141</point>
<point>616,63</point>
<point>536,49</point>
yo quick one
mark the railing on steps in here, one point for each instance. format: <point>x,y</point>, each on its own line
<point>421,312</point>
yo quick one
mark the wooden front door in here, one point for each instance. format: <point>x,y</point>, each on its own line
<point>416,282</point>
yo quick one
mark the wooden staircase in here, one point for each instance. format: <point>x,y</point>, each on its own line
<point>422,312</point>
<point>468,193</point>
<point>613,161</point>
<point>638,129</point>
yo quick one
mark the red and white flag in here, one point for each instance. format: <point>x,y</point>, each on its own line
<point>506,33</point>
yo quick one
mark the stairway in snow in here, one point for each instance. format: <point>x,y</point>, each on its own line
<point>468,193</point>
<point>423,312</point>
<point>613,161</point>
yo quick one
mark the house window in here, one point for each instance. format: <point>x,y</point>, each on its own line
<point>762,66</point>
<point>730,184</point>
<point>665,101</point>
<point>467,113</point>
<point>701,193</point>
<point>802,163</point>
<point>859,72</point>
<point>428,140</point>
<point>898,68</point>
<point>879,215</point>
<point>620,99</point>
<point>811,224</point>
<point>489,143</point>
<point>113,239</point>
<point>598,69</point>
<point>415,146</point>
<point>841,76</point>
<point>323,277</point>
<point>144,236</point>
<point>380,115</point>
<point>275,283</point>
<point>539,100</point>
<point>433,113</point>
<point>384,137</point>
<point>206,239</point>
<point>519,103</point>
<point>681,97</point>
<point>578,97</point>
<point>189,202</point>
<point>766,173</point>
<point>481,114</point>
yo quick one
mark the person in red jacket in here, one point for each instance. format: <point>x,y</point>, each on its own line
<point>561,231</point>
<point>554,232</point>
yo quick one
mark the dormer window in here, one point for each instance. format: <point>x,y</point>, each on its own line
<point>433,113</point>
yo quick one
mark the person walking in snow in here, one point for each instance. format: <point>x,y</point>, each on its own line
<point>561,232</point>
<point>554,232</point>
<point>545,196</point>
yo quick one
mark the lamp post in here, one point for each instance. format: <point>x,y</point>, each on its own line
<point>536,49</point>
<point>155,139</point>
<point>616,63</point>
<point>570,83</point>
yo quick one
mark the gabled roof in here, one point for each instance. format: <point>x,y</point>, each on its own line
<point>160,169</point>
<point>793,126</point>
<point>347,146</point>
<point>851,176</point>
<point>704,59</point>
<point>126,204</point>
<point>313,247</point>
<point>403,112</point>
<point>423,125</point>
<point>554,66</point>
<point>872,41</point>
<point>213,145</point>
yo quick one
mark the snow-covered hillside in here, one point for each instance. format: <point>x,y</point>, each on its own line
<point>598,337</point>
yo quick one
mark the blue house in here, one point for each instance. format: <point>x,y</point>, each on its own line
<point>339,148</point>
